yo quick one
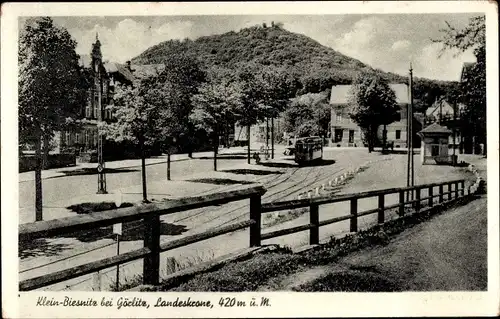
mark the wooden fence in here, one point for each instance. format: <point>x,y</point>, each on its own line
<point>150,214</point>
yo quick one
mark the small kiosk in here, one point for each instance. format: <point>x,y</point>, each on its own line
<point>434,148</point>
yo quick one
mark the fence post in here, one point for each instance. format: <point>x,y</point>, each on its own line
<point>314,220</point>
<point>462,186</point>
<point>255,214</point>
<point>354,214</point>
<point>401,203</point>
<point>440,193</point>
<point>449,191</point>
<point>431,196</point>
<point>417,199</point>
<point>151,265</point>
<point>381,206</point>
<point>456,190</point>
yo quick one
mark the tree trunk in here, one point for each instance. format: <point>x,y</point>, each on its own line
<point>384,138</point>
<point>168,166</point>
<point>216,147</point>
<point>272,137</point>
<point>45,152</point>
<point>248,147</point>
<point>267,133</point>
<point>143,165</point>
<point>38,177</point>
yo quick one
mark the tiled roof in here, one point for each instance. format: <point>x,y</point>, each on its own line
<point>444,107</point>
<point>340,93</point>
<point>144,70</point>
<point>112,67</point>
<point>435,128</point>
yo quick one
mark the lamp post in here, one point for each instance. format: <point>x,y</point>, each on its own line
<point>101,176</point>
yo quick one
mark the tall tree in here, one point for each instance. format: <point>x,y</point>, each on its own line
<point>51,87</point>
<point>172,90</point>
<point>182,76</point>
<point>473,84</point>
<point>137,119</point>
<point>308,115</point>
<point>250,110</point>
<point>276,86</point>
<point>372,103</point>
<point>215,106</point>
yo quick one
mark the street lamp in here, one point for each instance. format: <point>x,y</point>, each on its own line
<point>101,174</point>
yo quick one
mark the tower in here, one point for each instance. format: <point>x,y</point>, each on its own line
<point>98,86</point>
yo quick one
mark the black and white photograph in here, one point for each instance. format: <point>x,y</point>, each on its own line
<point>173,154</point>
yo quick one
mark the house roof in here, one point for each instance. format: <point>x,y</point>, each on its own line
<point>436,128</point>
<point>466,68</point>
<point>340,93</point>
<point>442,106</point>
<point>145,70</point>
<point>419,117</point>
<point>112,67</point>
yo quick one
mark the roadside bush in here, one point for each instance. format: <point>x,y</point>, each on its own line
<point>246,275</point>
<point>349,281</point>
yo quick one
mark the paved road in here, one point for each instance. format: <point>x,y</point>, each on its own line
<point>61,188</point>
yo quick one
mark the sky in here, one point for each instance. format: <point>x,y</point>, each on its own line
<point>387,42</point>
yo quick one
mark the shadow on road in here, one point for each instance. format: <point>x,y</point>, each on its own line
<point>93,171</point>
<point>224,157</point>
<point>219,181</point>
<point>40,248</point>
<point>245,171</point>
<point>278,164</point>
<point>131,231</point>
<point>322,162</point>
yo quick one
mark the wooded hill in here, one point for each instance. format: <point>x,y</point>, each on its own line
<point>317,67</point>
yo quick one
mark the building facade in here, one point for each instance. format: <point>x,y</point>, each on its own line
<point>346,133</point>
<point>102,76</point>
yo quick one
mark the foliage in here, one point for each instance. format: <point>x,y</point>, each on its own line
<point>308,115</point>
<point>216,102</point>
<point>473,83</point>
<point>215,106</point>
<point>372,103</point>
<point>174,87</point>
<point>51,85</point>
<point>137,114</point>
<point>314,67</point>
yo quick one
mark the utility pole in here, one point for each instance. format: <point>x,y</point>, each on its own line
<point>409,135</point>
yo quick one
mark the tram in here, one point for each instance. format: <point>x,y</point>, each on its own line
<point>308,150</point>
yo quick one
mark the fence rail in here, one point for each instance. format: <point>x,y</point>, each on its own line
<point>150,214</point>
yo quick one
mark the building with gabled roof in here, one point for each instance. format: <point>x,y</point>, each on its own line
<point>345,132</point>
<point>103,76</point>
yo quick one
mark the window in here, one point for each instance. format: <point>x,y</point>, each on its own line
<point>338,135</point>
<point>339,118</point>
<point>351,136</point>
<point>398,134</point>
<point>96,103</point>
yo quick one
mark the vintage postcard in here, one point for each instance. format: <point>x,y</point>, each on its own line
<point>250,159</point>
